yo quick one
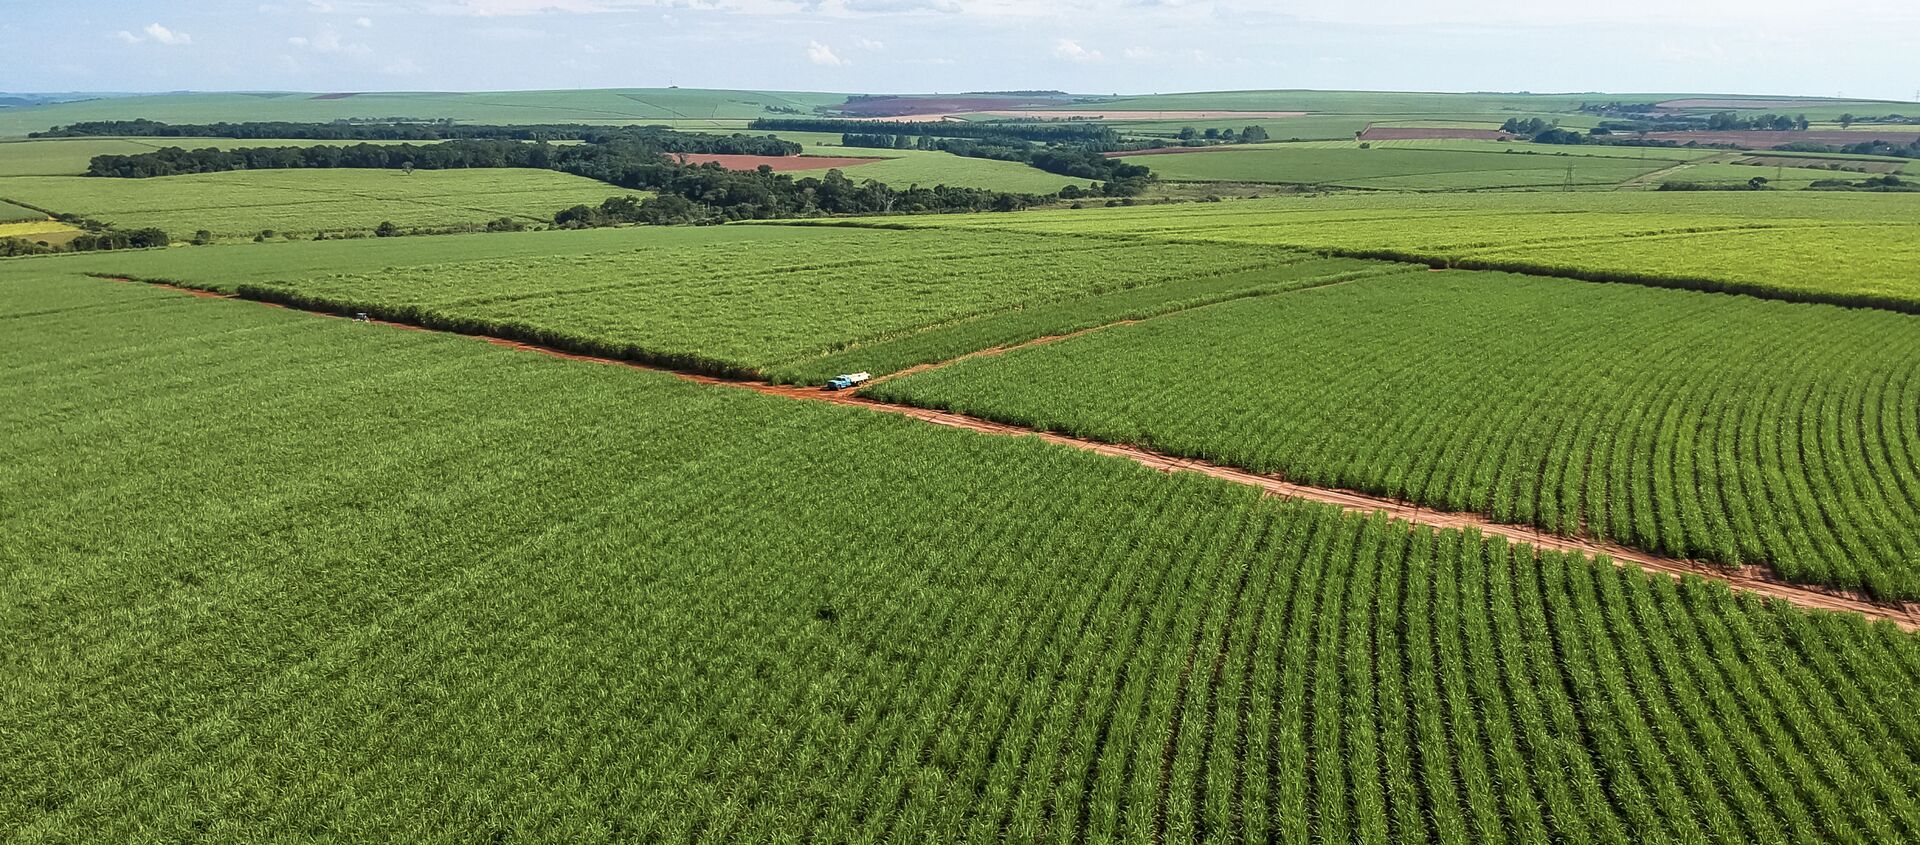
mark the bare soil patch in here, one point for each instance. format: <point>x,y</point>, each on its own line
<point>778,163</point>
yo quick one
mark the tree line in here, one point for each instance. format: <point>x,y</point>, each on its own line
<point>709,193</point>
<point>446,155</point>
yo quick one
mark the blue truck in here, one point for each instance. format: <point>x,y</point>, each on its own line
<point>849,380</point>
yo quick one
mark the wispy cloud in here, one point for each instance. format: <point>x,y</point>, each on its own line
<point>821,54</point>
<point>1071,50</point>
<point>157,34</point>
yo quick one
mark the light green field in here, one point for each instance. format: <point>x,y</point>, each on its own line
<point>70,156</point>
<point>1396,168</point>
<point>719,299</point>
<point>10,213</point>
<point>1841,248</point>
<point>242,203</point>
<point>612,106</point>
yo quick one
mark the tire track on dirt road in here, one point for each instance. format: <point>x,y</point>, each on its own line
<point>1752,579</point>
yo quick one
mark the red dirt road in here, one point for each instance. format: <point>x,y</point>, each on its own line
<point>778,163</point>
<point>1905,615</point>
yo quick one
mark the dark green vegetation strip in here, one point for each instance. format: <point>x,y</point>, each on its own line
<point>1728,429</point>
<point>272,577</point>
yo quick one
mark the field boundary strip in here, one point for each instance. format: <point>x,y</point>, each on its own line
<point>1753,579</point>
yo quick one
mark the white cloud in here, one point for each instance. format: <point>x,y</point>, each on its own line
<point>157,34</point>
<point>821,54</point>
<point>1137,54</point>
<point>1069,49</point>
<point>872,45</point>
<point>363,23</point>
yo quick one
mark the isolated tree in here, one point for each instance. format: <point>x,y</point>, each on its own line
<point>202,238</point>
<point>406,167</point>
<point>1847,120</point>
<point>386,229</point>
<point>1188,133</point>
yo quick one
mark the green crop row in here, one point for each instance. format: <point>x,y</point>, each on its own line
<point>276,577</point>
<point>1006,328</point>
<point>1734,430</point>
<point>732,300</point>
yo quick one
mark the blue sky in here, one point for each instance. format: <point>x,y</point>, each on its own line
<point>1731,46</point>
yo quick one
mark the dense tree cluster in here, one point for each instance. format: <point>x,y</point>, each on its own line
<point>710,193</point>
<point>1887,183</point>
<point>1213,134</point>
<point>174,161</point>
<point>880,142</point>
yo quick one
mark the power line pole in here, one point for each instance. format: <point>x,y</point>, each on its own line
<point>1569,187</point>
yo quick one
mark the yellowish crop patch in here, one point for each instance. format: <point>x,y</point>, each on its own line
<point>47,230</point>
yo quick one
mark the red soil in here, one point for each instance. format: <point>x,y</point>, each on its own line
<point>780,163</point>
<point>1423,133</point>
